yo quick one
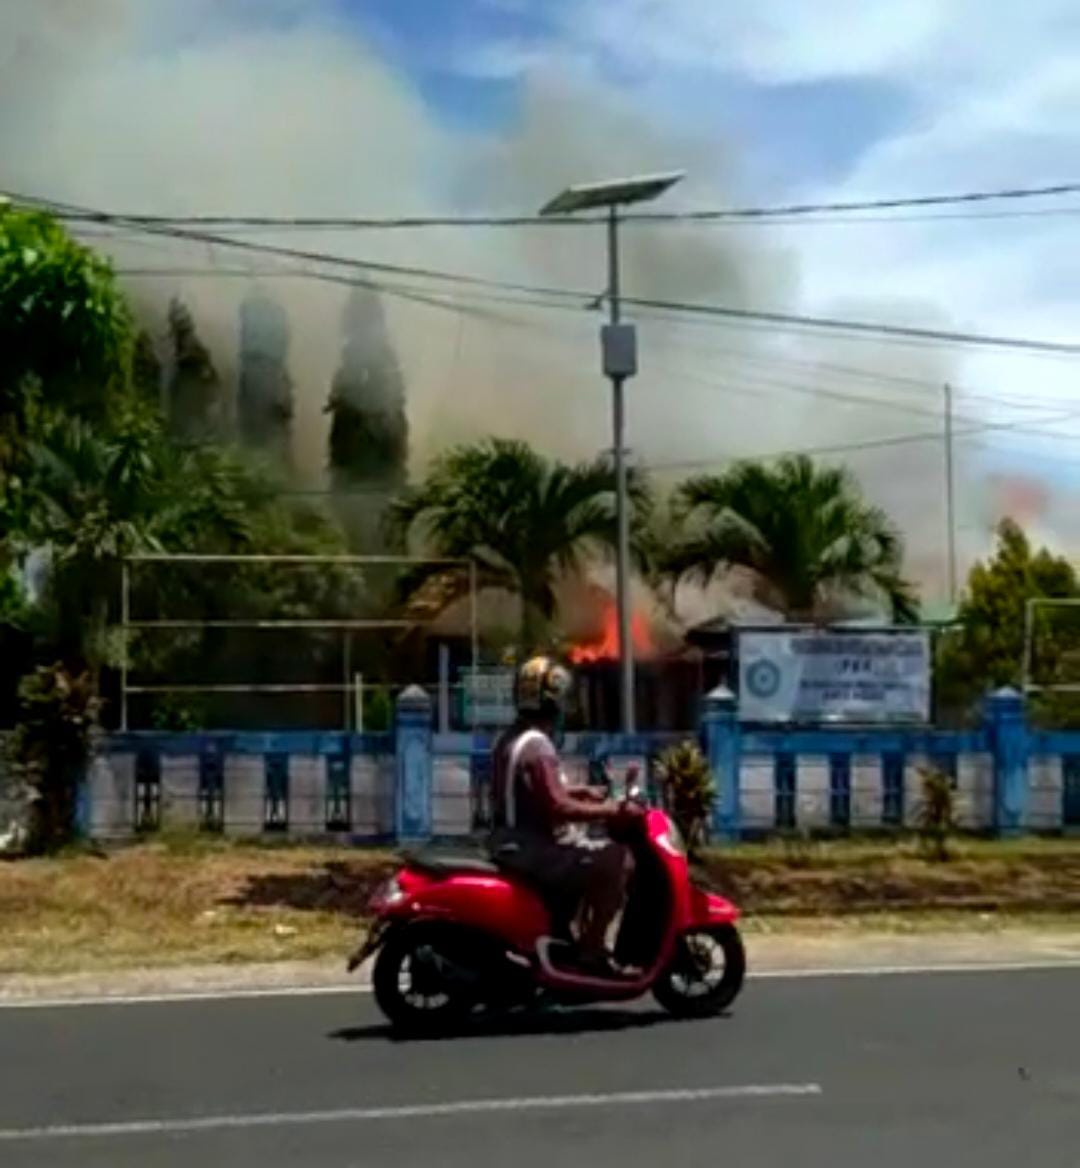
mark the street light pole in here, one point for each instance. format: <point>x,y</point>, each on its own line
<point>950,504</point>
<point>618,344</point>
<point>622,506</point>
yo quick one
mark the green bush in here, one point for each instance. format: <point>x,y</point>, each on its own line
<point>51,746</point>
<point>177,715</point>
<point>687,789</point>
<point>936,817</point>
<point>378,710</point>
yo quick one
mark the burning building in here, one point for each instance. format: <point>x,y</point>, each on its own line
<point>668,672</point>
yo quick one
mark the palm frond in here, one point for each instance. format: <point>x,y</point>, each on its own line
<point>802,529</point>
<point>523,518</point>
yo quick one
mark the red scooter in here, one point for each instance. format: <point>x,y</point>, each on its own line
<point>455,933</point>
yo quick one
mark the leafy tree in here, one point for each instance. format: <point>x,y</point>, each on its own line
<point>986,650</point>
<point>99,497</point>
<point>524,519</point>
<point>65,344</point>
<point>240,510</point>
<point>16,645</point>
<point>809,540</point>
<point>12,600</point>
<point>368,443</point>
<point>89,475</point>
<point>265,397</point>
<point>194,396</point>
<point>65,328</point>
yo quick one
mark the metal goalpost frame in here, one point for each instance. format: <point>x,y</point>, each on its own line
<point>346,687</point>
<point>1033,602</point>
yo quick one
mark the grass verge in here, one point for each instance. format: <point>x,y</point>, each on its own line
<point>179,902</point>
<point>844,878</point>
<point>197,900</point>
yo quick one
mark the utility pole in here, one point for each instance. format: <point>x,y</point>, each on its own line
<point>950,516</point>
<point>618,346</point>
<point>622,509</point>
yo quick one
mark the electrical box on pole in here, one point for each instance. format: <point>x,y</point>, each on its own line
<point>618,344</point>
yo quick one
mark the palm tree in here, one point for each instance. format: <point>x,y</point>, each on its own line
<point>95,500</point>
<point>809,539</point>
<point>524,520</point>
<point>98,497</point>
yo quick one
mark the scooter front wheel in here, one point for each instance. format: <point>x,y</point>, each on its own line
<point>705,975</point>
<point>419,982</point>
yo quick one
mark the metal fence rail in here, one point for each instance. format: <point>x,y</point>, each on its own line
<point>351,686</point>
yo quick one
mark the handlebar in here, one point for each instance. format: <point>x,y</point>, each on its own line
<point>632,789</point>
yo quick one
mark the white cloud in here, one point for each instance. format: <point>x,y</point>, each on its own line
<point>915,42</point>
<point>770,41</point>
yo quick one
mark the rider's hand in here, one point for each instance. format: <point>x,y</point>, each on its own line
<point>629,813</point>
<point>624,823</point>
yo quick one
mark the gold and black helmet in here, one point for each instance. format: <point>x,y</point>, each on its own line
<point>543,685</point>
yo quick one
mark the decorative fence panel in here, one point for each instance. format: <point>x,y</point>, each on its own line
<point>413,784</point>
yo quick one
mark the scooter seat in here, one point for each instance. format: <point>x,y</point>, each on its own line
<point>443,862</point>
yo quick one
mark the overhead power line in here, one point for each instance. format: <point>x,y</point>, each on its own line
<point>463,304</point>
<point>275,225</point>
<point>586,298</point>
<point>709,215</point>
<point>975,432</point>
<point>792,210</point>
<point>866,444</point>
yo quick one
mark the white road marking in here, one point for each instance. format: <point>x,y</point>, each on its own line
<point>142,1127</point>
<point>917,970</point>
<point>219,995</point>
<point>228,995</point>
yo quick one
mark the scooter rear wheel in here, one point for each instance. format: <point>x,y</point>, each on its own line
<point>705,975</point>
<point>415,980</point>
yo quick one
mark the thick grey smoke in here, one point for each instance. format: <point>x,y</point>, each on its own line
<point>184,106</point>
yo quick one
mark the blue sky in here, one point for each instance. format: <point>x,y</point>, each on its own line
<point>429,40</point>
<point>470,59</point>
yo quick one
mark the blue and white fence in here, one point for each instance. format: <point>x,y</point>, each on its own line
<point>414,784</point>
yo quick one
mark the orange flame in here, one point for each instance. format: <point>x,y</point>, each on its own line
<point>605,647</point>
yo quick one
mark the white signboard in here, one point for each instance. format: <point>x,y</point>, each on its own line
<point>816,675</point>
<point>489,697</point>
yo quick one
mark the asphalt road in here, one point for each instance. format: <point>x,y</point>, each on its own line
<point>838,1071</point>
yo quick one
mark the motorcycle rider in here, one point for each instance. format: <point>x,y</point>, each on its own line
<point>539,820</point>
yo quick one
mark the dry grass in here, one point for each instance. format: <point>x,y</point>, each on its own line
<point>955,923</point>
<point>193,900</point>
<point>835,879</point>
<point>178,902</point>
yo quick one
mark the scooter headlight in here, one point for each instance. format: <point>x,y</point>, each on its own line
<point>387,895</point>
